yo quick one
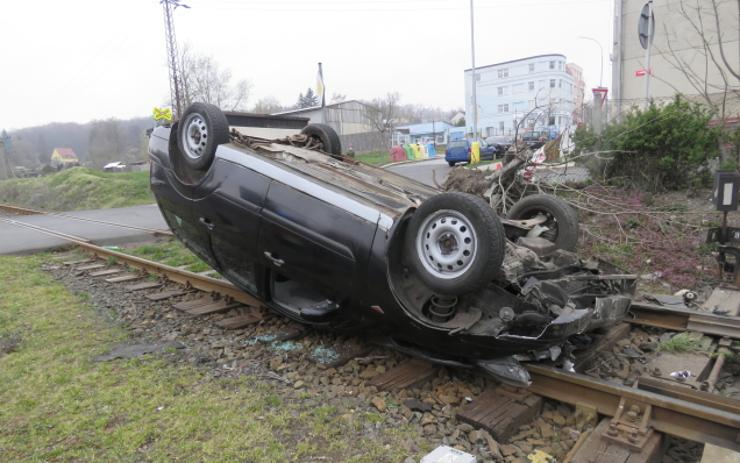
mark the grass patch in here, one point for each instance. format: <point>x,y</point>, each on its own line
<point>683,342</point>
<point>78,188</point>
<point>376,158</point>
<point>170,252</point>
<point>59,405</point>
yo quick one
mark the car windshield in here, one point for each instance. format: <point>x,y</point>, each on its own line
<point>458,144</point>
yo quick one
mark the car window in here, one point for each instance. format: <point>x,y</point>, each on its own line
<point>458,144</point>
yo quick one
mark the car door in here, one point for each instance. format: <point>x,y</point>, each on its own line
<point>311,241</point>
<point>176,204</point>
<point>228,207</point>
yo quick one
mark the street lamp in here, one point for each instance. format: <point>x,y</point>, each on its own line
<point>601,77</point>
<point>472,55</point>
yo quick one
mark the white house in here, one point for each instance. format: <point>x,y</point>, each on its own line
<point>536,88</point>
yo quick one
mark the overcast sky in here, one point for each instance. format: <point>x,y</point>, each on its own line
<point>79,60</point>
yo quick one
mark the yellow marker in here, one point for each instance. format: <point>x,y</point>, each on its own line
<point>538,456</point>
<point>475,152</point>
<point>162,114</point>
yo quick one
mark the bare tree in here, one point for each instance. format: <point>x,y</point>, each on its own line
<point>106,142</point>
<point>382,114</point>
<point>337,98</point>
<point>267,105</point>
<point>205,81</point>
<point>705,68</point>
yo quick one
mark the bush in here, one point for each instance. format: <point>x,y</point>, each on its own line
<point>660,148</point>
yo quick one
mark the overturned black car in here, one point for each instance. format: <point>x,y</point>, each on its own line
<point>332,242</point>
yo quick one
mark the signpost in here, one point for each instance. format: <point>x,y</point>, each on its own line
<point>646,32</point>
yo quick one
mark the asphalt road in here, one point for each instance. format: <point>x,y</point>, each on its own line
<point>427,171</point>
<point>16,239</point>
<point>424,171</point>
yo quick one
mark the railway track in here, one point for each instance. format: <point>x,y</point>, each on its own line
<point>636,413</point>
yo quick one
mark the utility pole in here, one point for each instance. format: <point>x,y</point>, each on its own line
<point>472,52</point>
<point>173,57</point>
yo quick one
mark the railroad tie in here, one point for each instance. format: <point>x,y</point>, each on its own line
<point>240,321</point>
<point>106,272</point>
<point>501,411</point>
<point>406,374</point>
<point>124,278</point>
<point>144,285</point>
<point>166,294</point>
<point>205,305</point>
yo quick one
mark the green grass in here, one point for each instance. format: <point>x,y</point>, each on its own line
<point>376,158</point>
<point>59,405</point>
<point>78,188</point>
<point>170,252</point>
<point>683,342</point>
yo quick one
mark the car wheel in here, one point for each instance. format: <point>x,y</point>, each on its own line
<point>562,221</point>
<point>455,243</point>
<point>201,129</point>
<point>326,135</point>
<point>451,164</point>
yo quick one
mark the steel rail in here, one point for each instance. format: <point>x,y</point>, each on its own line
<point>189,279</point>
<point>680,417</point>
<point>25,211</point>
<point>689,414</point>
<point>679,319</point>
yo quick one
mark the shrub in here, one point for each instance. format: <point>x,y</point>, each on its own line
<point>660,148</point>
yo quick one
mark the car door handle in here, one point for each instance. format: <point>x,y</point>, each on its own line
<point>275,261</point>
<point>207,222</point>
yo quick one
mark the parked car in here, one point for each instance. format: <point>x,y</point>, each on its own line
<point>501,142</point>
<point>342,245</point>
<point>457,151</point>
<point>488,152</point>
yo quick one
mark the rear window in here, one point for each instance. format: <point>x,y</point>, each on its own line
<point>458,144</point>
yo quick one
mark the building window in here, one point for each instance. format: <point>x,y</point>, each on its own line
<point>552,64</point>
<point>503,108</point>
<point>531,104</point>
<point>502,73</point>
<point>560,65</point>
<point>501,127</point>
<point>531,67</point>
<point>531,86</point>
<point>500,91</point>
<point>560,83</point>
<point>552,83</point>
<point>551,120</point>
<point>477,77</point>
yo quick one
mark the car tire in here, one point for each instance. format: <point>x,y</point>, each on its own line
<point>200,130</point>
<point>451,164</point>
<point>455,243</point>
<point>558,212</point>
<point>326,135</point>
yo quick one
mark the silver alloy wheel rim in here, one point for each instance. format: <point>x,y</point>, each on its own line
<point>446,244</point>
<point>195,136</point>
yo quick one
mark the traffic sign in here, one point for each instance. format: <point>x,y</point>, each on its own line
<point>643,25</point>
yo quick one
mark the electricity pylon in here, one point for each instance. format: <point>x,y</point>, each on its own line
<point>173,57</point>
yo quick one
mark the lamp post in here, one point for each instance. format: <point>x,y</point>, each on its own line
<point>472,52</point>
<point>601,49</point>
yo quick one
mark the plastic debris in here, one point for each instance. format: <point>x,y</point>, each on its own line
<point>538,456</point>
<point>445,454</point>
<point>681,375</point>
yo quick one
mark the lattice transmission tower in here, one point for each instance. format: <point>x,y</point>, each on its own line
<point>173,56</point>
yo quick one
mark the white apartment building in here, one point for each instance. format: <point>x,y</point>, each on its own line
<point>536,88</point>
